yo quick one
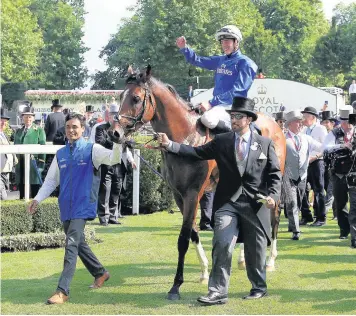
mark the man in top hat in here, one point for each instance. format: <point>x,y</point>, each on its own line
<point>54,120</point>
<point>280,119</point>
<point>112,177</point>
<point>299,149</point>
<point>342,137</point>
<point>7,160</point>
<point>89,113</point>
<point>248,166</point>
<point>328,120</point>
<point>30,133</point>
<point>315,171</point>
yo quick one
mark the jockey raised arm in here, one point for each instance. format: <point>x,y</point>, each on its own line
<point>234,75</point>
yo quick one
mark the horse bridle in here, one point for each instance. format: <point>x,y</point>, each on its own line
<point>139,118</point>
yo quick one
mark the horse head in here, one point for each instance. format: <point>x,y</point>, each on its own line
<point>137,103</point>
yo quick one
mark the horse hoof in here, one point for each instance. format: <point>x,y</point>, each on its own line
<point>204,281</point>
<point>270,268</point>
<point>173,296</point>
<point>241,265</point>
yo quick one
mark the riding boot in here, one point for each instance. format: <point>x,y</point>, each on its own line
<point>221,128</point>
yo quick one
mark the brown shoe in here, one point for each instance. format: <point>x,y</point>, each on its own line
<point>58,298</point>
<point>98,282</point>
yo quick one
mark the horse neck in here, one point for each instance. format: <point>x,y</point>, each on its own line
<point>172,116</point>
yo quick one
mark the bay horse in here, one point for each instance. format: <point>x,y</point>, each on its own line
<point>146,99</point>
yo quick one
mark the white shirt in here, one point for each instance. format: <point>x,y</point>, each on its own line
<point>100,156</point>
<point>307,143</point>
<point>330,141</point>
<point>317,132</point>
<point>352,88</point>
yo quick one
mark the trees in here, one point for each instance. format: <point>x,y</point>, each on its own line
<point>61,65</point>
<point>21,39</point>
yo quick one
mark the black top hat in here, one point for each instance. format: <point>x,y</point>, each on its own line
<point>280,116</point>
<point>89,108</point>
<point>28,110</point>
<point>327,115</point>
<point>3,115</point>
<point>352,118</point>
<point>244,105</point>
<point>311,110</point>
<point>55,103</point>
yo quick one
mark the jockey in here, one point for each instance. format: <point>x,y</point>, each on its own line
<point>234,74</point>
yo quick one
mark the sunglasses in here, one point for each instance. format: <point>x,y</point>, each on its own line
<point>237,116</point>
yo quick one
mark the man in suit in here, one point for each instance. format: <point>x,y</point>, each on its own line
<point>299,148</point>
<point>249,186</point>
<point>112,177</point>
<point>54,120</point>
<point>7,160</point>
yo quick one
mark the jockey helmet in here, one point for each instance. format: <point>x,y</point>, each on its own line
<point>229,32</point>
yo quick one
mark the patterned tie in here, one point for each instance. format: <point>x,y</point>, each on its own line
<point>297,142</point>
<point>240,149</point>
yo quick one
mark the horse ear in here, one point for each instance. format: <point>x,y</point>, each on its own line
<point>130,70</point>
<point>148,71</point>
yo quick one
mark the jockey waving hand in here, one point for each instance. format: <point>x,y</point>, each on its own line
<point>234,74</point>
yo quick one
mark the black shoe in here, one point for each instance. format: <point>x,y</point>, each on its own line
<point>207,228</point>
<point>318,223</point>
<point>353,243</point>
<point>305,221</point>
<point>343,237</point>
<point>255,295</point>
<point>103,224</point>
<point>114,221</point>
<point>296,236</point>
<point>213,298</point>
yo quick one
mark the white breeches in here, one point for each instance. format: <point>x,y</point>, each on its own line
<point>212,117</point>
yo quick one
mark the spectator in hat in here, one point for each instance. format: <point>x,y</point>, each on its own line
<point>54,120</point>
<point>299,149</point>
<point>112,177</point>
<point>316,170</point>
<point>89,115</point>
<point>280,119</point>
<point>7,161</point>
<point>29,133</point>
<point>339,138</point>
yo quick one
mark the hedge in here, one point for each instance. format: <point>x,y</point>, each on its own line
<point>155,194</point>
<point>37,241</point>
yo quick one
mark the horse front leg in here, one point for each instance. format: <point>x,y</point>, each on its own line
<point>275,218</point>
<point>189,209</point>
<point>203,260</point>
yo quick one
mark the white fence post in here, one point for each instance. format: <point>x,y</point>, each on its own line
<point>27,177</point>
<point>136,184</point>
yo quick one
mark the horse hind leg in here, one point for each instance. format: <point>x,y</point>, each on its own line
<point>273,252</point>
<point>203,260</point>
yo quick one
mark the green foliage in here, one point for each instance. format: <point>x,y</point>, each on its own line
<point>155,194</point>
<point>12,91</point>
<point>21,40</point>
<point>62,57</point>
<point>37,241</point>
<point>14,218</point>
<point>47,218</point>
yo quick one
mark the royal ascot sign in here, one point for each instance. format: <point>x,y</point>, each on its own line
<point>271,94</point>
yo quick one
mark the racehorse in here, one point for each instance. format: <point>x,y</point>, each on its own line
<point>146,99</point>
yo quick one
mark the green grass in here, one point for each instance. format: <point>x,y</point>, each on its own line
<point>315,275</point>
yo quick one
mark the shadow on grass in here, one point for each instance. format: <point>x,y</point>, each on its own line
<point>329,274</point>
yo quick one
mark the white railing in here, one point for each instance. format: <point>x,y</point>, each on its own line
<point>27,150</point>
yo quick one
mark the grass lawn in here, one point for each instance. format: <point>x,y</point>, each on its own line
<point>316,275</point>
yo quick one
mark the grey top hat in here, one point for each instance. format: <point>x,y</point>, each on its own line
<point>344,114</point>
<point>280,116</point>
<point>327,115</point>
<point>311,110</point>
<point>3,114</point>
<point>89,108</point>
<point>243,105</point>
<point>293,115</point>
<point>28,110</point>
<point>114,108</point>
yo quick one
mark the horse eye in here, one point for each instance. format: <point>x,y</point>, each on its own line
<point>136,99</point>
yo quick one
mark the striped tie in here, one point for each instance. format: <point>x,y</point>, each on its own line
<point>240,149</point>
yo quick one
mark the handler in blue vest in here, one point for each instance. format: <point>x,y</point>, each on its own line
<point>75,169</point>
<point>234,75</point>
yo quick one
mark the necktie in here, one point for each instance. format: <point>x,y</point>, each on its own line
<point>240,149</point>
<point>297,142</point>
